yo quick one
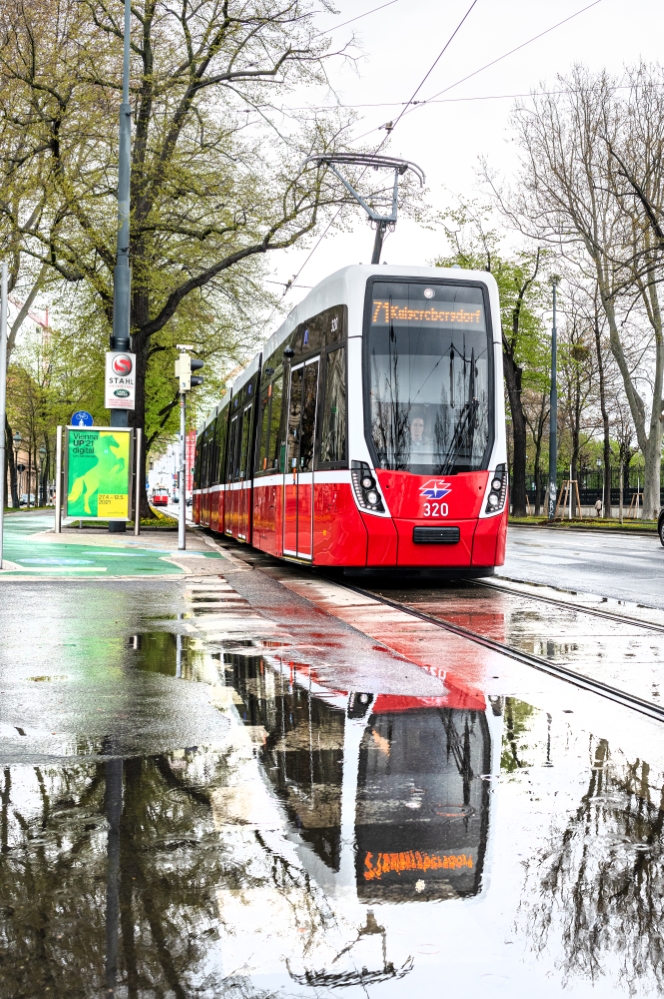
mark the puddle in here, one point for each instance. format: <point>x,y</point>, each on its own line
<point>290,839</point>
<point>597,647</point>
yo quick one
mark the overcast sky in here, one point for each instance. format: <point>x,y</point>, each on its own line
<point>401,41</point>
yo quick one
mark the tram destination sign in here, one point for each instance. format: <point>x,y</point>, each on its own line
<point>448,315</point>
<point>98,473</point>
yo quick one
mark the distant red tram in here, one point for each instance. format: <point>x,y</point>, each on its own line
<point>370,431</point>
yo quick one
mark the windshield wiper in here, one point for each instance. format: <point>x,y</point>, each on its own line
<point>466,424</point>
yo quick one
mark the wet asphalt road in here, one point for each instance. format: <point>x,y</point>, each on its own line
<point>612,565</point>
<point>262,784</point>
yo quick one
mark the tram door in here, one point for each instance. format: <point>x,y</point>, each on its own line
<point>299,485</point>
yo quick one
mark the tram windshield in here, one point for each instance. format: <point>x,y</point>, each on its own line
<point>428,366</point>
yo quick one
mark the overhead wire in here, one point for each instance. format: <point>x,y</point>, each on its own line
<point>413,105</point>
<point>358,18</point>
<point>434,64</point>
<point>451,86</point>
<point>511,52</point>
<point>382,143</point>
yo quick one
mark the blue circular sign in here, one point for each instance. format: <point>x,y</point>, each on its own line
<point>81,419</point>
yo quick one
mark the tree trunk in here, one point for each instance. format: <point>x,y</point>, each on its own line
<point>9,451</point>
<point>538,475</point>
<point>651,478</point>
<point>518,484</point>
<point>605,422</point>
<point>651,445</point>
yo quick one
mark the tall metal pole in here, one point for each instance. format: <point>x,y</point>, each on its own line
<point>121,274</point>
<point>182,486</point>
<point>553,409</point>
<point>3,400</point>
<point>58,481</point>
<point>113,809</point>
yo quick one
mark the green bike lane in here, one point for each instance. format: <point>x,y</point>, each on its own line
<point>30,551</point>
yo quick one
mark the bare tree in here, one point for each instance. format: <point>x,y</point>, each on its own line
<point>570,193</point>
<point>536,409</point>
<point>215,183</point>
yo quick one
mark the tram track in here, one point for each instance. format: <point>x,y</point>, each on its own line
<point>560,672</point>
<point>569,605</point>
<point>621,697</point>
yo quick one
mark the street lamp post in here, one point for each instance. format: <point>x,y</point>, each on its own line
<point>553,408</point>
<point>121,273</point>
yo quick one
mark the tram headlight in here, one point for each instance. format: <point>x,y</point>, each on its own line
<point>365,489</point>
<point>496,499</point>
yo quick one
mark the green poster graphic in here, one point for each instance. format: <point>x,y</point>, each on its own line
<point>98,474</point>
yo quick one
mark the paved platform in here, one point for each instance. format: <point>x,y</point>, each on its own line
<point>32,549</point>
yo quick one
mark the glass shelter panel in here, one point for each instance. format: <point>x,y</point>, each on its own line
<point>428,365</point>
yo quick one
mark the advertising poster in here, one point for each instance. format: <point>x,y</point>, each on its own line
<point>98,474</point>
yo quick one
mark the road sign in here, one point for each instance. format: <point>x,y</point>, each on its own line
<point>120,380</point>
<point>98,473</point>
<point>81,419</point>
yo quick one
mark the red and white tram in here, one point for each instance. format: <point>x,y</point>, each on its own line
<point>370,430</point>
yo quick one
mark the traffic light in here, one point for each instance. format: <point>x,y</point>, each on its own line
<point>196,366</point>
<point>183,369</point>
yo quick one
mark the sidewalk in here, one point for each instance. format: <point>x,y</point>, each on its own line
<point>634,528</point>
<point>33,551</point>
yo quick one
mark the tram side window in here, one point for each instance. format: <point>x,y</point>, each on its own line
<point>246,423</point>
<point>333,430</point>
<point>261,460</point>
<point>233,448</point>
<point>197,465</point>
<point>204,461</point>
<point>209,446</point>
<point>212,453</point>
<point>274,442</point>
<point>222,423</point>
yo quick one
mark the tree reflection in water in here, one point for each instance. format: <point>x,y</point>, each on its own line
<point>53,881</point>
<point>597,886</point>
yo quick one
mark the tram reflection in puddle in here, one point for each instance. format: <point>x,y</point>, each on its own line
<point>384,790</point>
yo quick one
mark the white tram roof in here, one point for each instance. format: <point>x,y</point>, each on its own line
<point>248,372</point>
<point>212,415</point>
<point>347,287</point>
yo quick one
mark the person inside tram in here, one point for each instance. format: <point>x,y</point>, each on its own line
<point>416,433</point>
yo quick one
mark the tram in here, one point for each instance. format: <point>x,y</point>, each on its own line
<point>385,790</point>
<point>369,433</point>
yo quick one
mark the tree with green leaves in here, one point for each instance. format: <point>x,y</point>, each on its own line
<point>215,181</point>
<point>475,245</point>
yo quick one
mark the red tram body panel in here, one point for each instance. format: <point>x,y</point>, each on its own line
<point>370,430</point>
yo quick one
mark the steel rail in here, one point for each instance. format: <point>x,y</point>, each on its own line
<point>527,659</point>
<point>596,611</point>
